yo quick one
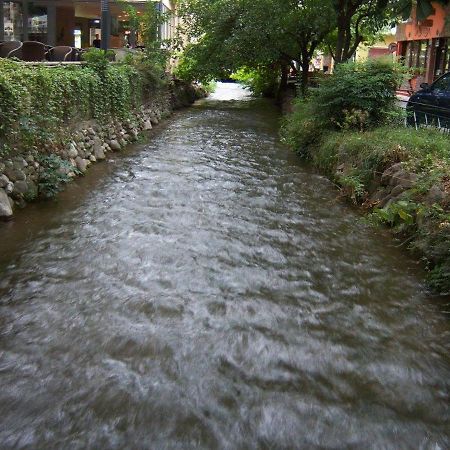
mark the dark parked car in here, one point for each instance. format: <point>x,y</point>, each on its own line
<point>431,105</point>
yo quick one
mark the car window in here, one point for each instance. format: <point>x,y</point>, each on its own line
<point>443,84</point>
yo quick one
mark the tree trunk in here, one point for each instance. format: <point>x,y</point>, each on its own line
<point>304,78</point>
<point>282,87</point>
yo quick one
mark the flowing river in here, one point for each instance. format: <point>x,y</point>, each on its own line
<point>206,290</point>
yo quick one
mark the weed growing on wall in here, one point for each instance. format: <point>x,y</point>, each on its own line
<point>54,174</point>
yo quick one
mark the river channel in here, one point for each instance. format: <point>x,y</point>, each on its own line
<point>206,290</point>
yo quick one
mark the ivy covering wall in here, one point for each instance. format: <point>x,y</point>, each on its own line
<point>38,102</point>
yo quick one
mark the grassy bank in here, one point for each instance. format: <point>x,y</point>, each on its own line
<point>400,176</point>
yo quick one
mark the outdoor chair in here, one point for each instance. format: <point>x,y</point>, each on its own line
<point>76,54</point>
<point>60,53</point>
<point>33,51</point>
<point>11,49</point>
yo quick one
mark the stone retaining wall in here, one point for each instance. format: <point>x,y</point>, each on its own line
<point>87,143</point>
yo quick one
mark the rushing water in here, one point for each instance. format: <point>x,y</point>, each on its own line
<point>207,291</point>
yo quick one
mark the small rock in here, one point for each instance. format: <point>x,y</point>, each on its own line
<point>384,201</point>
<point>14,174</point>
<point>72,152</point>
<point>92,158</point>
<point>4,180</point>
<point>5,207</point>
<point>404,179</point>
<point>81,164</point>
<point>378,195</point>
<point>114,145</point>
<point>147,125</point>
<point>19,162</point>
<point>20,187</point>
<point>99,153</point>
<point>397,190</point>
<point>435,195</point>
<point>387,174</point>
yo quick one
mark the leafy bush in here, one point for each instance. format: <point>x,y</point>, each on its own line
<point>302,129</point>
<point>262,81</point>
<point>359,95</point>
<point>53,175</point>
<point>98,59</point>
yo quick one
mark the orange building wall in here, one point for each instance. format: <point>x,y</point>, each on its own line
<point>436,25</point>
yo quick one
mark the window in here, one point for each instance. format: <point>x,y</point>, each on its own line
<point>13,21</point>
<point>442,57</point>
<point>423,54</point>
<point>443,84</point>
<point>37,23</point>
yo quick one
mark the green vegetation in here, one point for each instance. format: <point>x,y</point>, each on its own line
<point>152,61</point>
<point>54,175</point>
<point>37,102</point>
<point>356,140</point>
<point>261,41</point>
<point>262,81</point>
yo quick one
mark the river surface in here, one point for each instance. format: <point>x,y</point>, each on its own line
<point>205,290</point>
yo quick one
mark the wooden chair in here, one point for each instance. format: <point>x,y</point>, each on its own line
<point>33,51</point>
<point>11,49</point>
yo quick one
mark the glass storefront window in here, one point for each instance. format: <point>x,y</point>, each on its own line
<point>423,54</point>
<point>37,23</point>
<point>442,57</point>
<point>13,21</point>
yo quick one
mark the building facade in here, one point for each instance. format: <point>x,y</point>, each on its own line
<point>70,22</point>
<point>425,45</point>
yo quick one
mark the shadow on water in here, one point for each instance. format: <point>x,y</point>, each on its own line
<point>205,290</point>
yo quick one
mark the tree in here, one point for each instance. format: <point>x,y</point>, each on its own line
<point>229,34</point>
<point>356,22</point>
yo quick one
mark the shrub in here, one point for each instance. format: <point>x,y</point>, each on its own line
<point>53,175</point>
<point>302,129</point>
<point>359,95</point>
<point>262,81</point>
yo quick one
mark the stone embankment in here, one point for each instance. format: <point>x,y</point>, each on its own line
<point>396,181</point>
<point>86,144</point>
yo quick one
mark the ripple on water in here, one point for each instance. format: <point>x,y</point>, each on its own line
<point>210,292</point>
